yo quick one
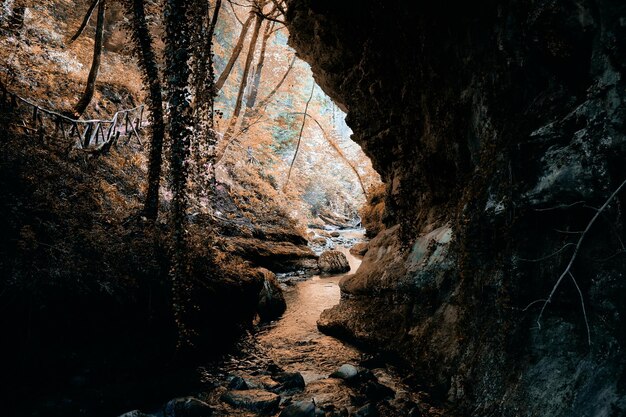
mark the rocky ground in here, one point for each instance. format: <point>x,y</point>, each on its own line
<point>287,368</point>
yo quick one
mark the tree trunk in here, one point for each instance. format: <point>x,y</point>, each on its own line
<point>148,63</point>
<point>233,57</point>
<point>295,155</point>
<point>216,12</point>
<point>244,80</point>
<point>85,21</point>
<point>177,72</point>
<point>255,112</point>
<point>82,104</point>
<point>254,90</point>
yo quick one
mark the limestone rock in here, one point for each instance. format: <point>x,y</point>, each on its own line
<point>359,249</point>
<point>271,301</point>
<point>333,262</point>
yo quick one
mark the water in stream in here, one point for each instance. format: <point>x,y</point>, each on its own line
<point>293,344</point>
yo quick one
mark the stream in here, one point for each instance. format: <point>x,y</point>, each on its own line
<point>284,367</point>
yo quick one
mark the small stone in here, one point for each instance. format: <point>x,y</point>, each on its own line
<point>187,407</point>
<point>272,368</point>
<point>346,372</point>
<point>335,234</point>
<point>290,380</point>
<point>237,383</point>
<point>299,409</point>
<point>253,400</point>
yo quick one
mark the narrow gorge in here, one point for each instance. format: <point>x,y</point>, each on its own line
<point>208,236</point>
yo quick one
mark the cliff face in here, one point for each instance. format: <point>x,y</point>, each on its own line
<point>499,130</point>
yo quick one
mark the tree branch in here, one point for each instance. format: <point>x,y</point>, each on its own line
<point>339,152</point>
<point>85,22</point>
<point>576,250</point>
<point>295,155</point>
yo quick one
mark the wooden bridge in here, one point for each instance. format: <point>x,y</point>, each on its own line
<point>91,135</point>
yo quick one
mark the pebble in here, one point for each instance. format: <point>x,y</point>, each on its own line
<point>346,372</point>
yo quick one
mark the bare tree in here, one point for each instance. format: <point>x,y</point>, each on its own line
<point>235,54</point>
<point>84,101</point>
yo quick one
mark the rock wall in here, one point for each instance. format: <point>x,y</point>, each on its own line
<point>499,130</point>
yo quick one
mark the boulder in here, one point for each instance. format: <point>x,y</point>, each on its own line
<point>255,400</point>
<point>187,407</point>
<point>335,234</point>
<point>271,301</point>
<point>333,262</point>
<point>359,249</point>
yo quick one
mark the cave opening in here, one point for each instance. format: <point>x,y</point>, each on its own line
<point>185,205</point>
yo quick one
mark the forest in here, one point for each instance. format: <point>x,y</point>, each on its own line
<point>305,208</point>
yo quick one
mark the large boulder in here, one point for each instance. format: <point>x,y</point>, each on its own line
<point>271,301</point>
<point>333,262</point>
<point>359,249</point>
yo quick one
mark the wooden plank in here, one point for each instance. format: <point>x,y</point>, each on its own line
<point>87,136</point>
<point>140,118</point>
<point>137,134</point>
<point>102,134</point>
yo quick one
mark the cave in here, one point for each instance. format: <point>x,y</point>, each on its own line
<point>484,275</point>
<point>498,129</point>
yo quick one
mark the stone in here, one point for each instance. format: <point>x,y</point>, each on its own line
<point>238,383</point>
<point>299,409</point>
<point>376,391</point>
<point>319,241</point>
<point>346,372</point>
<point>456,170</point>
<point>290,380</point>
<point>187,407</point>
<point>271,300</point>
<point>359,249</point>
<point>333,262</point>
<point>335,234</point>
<point>254,400</point>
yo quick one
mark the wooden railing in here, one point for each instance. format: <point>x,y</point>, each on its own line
<point>93,134</point>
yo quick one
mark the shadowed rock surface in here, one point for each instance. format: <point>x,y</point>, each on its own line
<point>333,262</point>
<point>497,128</point>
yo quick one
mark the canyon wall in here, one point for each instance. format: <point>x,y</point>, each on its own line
<point>498,128</point>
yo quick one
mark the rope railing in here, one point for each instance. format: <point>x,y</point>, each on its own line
<point>87,134</point>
